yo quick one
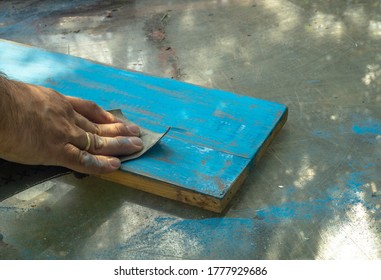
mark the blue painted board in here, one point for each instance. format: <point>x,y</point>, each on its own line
<point>215,135</point>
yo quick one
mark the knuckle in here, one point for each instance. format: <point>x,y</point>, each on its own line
<point>120,129</point>
<point>85,159</point>
<point>97,129</point>
<point>59,135</point>
<point>92,163</point>
<point>120,141</point>
<point>92,105</point>
<point>98,142</point>
<point>80,160</point>
<point>68,148</point>
<point>67,109</point>
<point>71,156</point>
<point>66,132</point>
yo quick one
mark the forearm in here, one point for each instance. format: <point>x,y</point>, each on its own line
<point>5,99</point>
<point>8,111</point>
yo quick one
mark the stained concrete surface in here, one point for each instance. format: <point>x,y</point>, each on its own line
<point>315,193</point>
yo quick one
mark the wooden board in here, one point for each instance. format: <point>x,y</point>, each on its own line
<point>215,136</point>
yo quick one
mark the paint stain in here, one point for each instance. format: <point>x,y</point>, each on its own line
<point>211,238</point>
<point>155,30</point>
<point>322,134</point>
<point>369,130</point>
<point>292,210</point>
<point>367,127</point>
<point>352,189</point>
<point>314,82</point>
<point>252,231</point>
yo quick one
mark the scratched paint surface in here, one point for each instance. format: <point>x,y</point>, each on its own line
<point>214,136</point>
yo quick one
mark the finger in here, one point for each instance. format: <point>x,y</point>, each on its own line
<point>118,129</point>
<point>110,146</point>
<point>115,146</point>
<point>91,111</point>
<point>84,162</point>
<point>86,125</point>
<point>110,130</point>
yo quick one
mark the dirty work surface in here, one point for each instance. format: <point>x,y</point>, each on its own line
<point>311,196</point>
<point>15,178</point>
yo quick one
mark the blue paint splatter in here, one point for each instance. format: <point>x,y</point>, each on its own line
<point>322,134</point>
<point>214,238</point>
<point>247,236</point>
<point>221,237</point>
<point>294,211</point>
<point>314,82</point>
<point>368,127</point>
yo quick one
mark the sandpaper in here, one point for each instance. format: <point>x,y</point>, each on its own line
<point>148,137</point>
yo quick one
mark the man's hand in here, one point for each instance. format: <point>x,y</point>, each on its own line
<point>41,126</point>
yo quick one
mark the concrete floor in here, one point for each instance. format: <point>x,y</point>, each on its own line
<point>314,195</point>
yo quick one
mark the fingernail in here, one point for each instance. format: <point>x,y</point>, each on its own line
<point>134,129</point>
<point>114,162</point>
<point>136,141</point>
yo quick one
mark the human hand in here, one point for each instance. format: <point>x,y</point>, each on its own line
<point>40,126</point>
